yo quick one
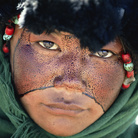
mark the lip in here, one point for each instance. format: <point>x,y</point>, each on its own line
<point>63,109</point>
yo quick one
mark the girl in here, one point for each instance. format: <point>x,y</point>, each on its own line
<point>68,68</point>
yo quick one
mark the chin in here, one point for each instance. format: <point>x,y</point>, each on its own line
<point>62,132</point>
<point>64,128</point>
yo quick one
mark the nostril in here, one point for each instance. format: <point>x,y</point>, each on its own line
<point>57,80</point>
<point>84,83</point>
<point>67,102</point>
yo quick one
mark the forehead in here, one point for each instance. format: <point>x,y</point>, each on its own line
<point>115,46</point>
<point>58,36</point>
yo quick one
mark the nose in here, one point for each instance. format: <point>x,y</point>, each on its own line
<point>70,83</point>
<point>71,76</point>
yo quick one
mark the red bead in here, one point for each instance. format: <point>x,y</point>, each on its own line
<point>130,74</point>
<point>125,86</point>
<point>126,58</point>
<point>9,30</point>
<point>5,49</point>
<point>9,21</point>
<point>18,16</point>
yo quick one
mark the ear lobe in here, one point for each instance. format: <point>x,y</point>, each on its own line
<point>127,82</point>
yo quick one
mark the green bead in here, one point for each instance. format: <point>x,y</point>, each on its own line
<point>15,20</point>
<point>7,37</point>
<point>129,67</point>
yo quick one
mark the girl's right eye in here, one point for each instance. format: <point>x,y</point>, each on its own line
<point>49,45</point>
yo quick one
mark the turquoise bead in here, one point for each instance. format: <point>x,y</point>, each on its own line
<point>129,67</point>
<point>7,37</point>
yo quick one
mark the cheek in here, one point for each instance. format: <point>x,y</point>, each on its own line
<point>35,67</point>
<point>104,82</point>
<point>31,69</point>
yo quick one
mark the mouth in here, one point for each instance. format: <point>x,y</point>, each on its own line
<point>63,109</point>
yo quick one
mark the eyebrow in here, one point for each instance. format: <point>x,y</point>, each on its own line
<point>70,36</point>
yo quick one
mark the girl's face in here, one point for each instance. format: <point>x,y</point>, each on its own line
<point>67,88</point>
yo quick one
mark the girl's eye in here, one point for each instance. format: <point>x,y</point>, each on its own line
<point>49,45</point>
<point>104,53</point>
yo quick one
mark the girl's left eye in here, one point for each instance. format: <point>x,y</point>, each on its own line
<point>49,45</point>
<point>104,53</point>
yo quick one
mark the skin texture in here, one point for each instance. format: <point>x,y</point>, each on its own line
<point>68,88</point>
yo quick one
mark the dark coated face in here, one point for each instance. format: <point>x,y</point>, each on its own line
<point>64,88</point>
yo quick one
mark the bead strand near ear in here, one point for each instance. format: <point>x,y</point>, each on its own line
<point>5,49</point>
<point>9,32</point>
<point>129,67</point>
